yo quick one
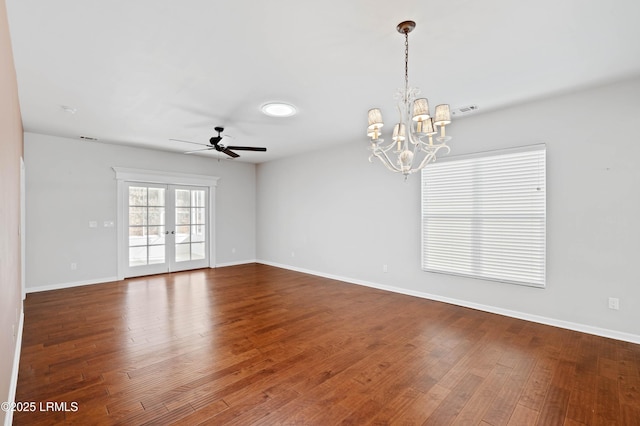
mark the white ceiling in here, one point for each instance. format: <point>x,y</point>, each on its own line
<point>140,72</point>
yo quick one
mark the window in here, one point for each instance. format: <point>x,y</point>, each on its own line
<point>484,216</point>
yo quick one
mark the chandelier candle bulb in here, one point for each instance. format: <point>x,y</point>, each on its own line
<point>430,131</point>
<point>399,132</point>
<point>429,127</point>
<point>408,147</point>
<point>443,117</point>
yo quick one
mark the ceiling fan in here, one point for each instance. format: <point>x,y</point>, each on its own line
<point>214,143</point>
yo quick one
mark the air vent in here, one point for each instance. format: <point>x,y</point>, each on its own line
<point>465,110</point>
<point>88,138</point>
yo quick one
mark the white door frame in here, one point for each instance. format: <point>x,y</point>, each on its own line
<point>125,174</point>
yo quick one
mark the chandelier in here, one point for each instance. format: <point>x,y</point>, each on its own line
<point>412,146</point>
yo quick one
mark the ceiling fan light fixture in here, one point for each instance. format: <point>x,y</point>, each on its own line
<point>278,109</point>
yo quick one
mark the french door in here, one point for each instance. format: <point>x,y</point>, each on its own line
<point>167,228</point>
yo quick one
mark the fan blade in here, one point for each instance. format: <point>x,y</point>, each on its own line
<point>229,153</point>
<point>195,143</point>
<point>199,150</point>
<point>247,148</point>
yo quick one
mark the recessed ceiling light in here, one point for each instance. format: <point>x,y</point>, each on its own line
<point>278,109</point>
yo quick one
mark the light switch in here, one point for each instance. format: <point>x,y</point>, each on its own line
<point>93,224</point>
<point>108,224</point>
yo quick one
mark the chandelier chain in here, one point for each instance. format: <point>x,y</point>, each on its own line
<point>406,65</point>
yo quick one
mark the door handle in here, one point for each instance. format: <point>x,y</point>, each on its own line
<point>173,232</point>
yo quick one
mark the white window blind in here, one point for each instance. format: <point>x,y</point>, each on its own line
<point>485,216</point>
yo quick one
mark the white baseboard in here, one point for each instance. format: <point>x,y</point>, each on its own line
<point>71,284</point>
<point>13,386</point>
<point>612,334</point>
<point>236,263</point>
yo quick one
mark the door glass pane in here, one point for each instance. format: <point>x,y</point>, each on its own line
<point>197,198</point>
<point>137,256</point>
<point>182,216</point>
<point>137,216</point>
<point>182,234</point>
<point>197,232</point>
<point>197,251</point>
<point>156,254</point>
<point>183,197</point>
<point>182,252</point>
<point>137,236</point>
<point>156,196</point>
<point>198,216</point>
<point>137,196</point>
<point>156,216</point>
<point>156,235</point>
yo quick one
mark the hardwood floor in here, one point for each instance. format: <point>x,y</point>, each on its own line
<point>254,344</point>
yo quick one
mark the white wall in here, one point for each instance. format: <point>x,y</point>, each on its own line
<point>70,182</point>
<point>344,217</point>
<point>11,316</point>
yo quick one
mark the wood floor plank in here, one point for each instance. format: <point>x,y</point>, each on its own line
<point>254,344</point>
<point>451,406</point>
<point>422,407</point>
<point>554,409</point>
<point>607,409</point>
<point>535,390</point>
<point>507,399</point>
<point>397,405</point>
<point>475,408</point>
<point>581,406</point>
<point>523,416</point>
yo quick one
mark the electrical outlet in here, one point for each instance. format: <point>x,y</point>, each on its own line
<point>233,250</point>
<point>74,266</point>
<point>293,254</point>
<point>385,269</point>
<point>614,303</point>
